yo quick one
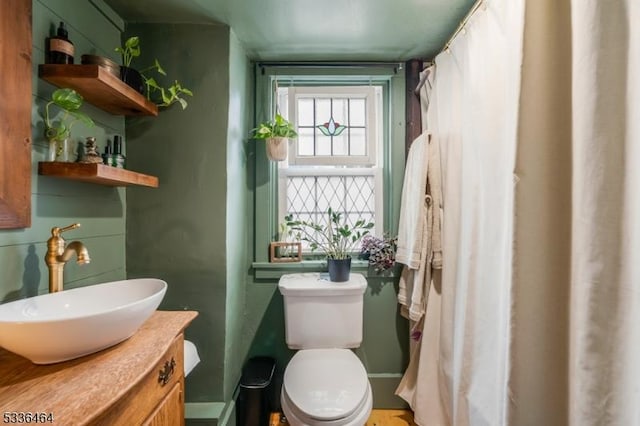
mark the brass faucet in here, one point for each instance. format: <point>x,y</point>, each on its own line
<point>58,255</point>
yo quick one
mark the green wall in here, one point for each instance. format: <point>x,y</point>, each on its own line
<point>239,212</point>
<point>100,209</point>
<point>192,231</point>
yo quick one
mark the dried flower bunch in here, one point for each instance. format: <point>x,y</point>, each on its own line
<point>381,252</point>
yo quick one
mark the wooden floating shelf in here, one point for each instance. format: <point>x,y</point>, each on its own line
<point>96,173</point>
<point>99,87</point>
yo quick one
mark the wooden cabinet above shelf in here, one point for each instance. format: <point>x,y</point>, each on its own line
<point>96,173</point>
<point>99,87</point>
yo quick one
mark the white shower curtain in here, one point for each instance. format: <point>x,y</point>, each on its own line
<point>473,110</point>
<point>536,109</point>
<point>605,274</point>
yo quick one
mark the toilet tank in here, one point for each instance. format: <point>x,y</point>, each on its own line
<point>321,314</point>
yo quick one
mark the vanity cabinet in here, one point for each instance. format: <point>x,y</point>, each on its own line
<point>137,382</point>
<point>168,411</point>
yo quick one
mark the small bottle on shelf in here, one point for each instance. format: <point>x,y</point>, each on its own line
<point>59,49</point>
<point>119,159</point>
<point>107,157</point>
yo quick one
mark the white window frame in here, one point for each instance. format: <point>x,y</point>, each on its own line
<point>373,116</point>
<point>345,165</point>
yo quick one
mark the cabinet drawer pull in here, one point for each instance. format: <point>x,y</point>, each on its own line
<point>167,371</point>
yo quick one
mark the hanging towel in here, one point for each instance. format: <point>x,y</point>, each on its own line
<point>434,189</point>
<point>414,283</point>
<point>417,290</point>
<point>411,225</point>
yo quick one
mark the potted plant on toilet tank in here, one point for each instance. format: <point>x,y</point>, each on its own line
<point>334,237</point>
<point>276,133</point>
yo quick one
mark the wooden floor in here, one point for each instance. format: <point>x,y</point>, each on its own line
<point>377,418</point>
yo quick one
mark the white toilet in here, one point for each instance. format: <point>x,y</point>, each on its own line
<point>324,383</point>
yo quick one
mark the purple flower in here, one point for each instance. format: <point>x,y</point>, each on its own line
<point>381,252</point>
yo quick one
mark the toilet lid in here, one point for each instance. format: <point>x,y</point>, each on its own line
<point>325,384</point>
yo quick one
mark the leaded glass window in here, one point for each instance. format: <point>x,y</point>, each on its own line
<point>335,125</point>
<point>308,194</point>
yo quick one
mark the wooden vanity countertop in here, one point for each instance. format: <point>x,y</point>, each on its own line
<point>77,391</point>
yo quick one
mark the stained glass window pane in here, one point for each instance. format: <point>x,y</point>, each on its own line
<point>323,110</point>
<point>358,141</point>
<point>357,112</point>
<point>305,141</point>
<point>342,132</point>
<point>305,112</point>
<point>323,144</point>
<point>340,110</point>
<point>341,144</point>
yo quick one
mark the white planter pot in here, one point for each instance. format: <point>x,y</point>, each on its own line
<point>277,148</point>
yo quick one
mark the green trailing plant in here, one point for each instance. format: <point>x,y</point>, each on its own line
<point>161,96</point>
<point>278,127</point>
<point>335,238</point>
<point>130,50</point>
<point>69,101</point>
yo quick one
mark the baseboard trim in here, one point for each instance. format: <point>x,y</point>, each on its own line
<point>212,413</point>
<point>383,386</point>
<point>228,416</point>
<point>204,410</point>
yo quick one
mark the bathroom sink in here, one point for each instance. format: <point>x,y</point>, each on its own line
<point>72,323</point>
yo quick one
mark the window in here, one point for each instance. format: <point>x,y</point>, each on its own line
<point>336,125</point>
<point>333,162</point>
<point>337,167</point>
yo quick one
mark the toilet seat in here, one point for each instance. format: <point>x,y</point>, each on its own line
<point>326,387</point>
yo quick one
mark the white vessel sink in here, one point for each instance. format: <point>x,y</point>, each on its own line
<point>69,324</point>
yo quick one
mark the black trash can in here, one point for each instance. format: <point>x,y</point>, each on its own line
<point>254,401</point>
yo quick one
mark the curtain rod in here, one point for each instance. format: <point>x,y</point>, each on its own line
<point>466,19</point>
<point>461,26</point>
<point>311,64</point>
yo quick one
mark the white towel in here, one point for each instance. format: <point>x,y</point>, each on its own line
<point>411,225</point>
<point>415,283</point>
<point>425,325</point>
<point>434,189</point>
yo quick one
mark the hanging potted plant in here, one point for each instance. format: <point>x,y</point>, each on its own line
<point>335,238</point>
<point>276,133</point>
<point>58,130</point>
